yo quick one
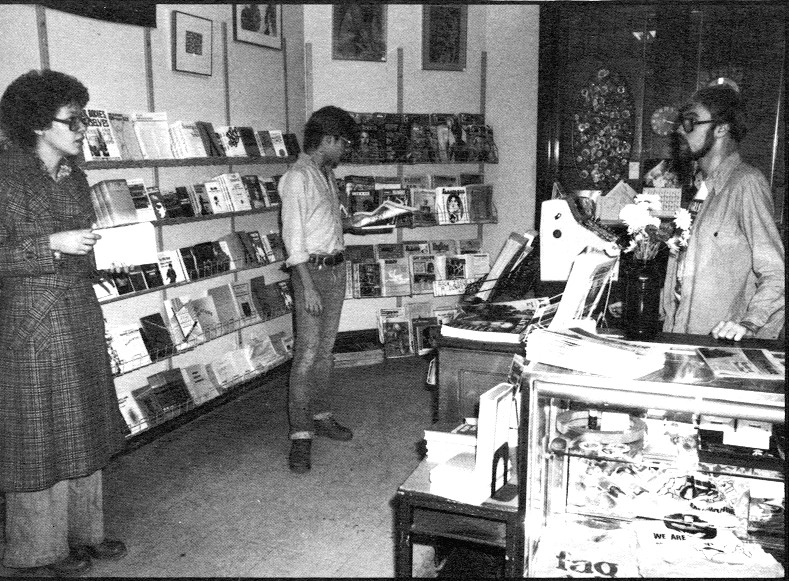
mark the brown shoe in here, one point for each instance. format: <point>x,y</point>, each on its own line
<point>107,550</point>
<point>76,563</point>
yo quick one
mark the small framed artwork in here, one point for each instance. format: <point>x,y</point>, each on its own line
<point>192,43</point>
<point>444,37</point>
<point>259,24</point>
<point>359,31</point>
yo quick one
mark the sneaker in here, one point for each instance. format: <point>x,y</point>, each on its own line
<point>107,549</point>
<point>299,457</point>
<point>76,563</point>
<point>329,428</point>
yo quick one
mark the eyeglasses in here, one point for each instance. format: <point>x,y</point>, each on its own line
<point>688,124</point>
<point>75,122</point>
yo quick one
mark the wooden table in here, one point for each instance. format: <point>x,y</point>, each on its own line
<point>422,514</point>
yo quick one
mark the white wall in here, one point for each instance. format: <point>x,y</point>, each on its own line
<point>509,33</point>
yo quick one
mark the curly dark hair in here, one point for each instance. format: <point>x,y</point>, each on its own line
<point>31,101</point>
<point>329,121</point>
<point>725,106</point>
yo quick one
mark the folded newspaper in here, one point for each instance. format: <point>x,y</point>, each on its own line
<point>386,211</point>
<point>740,363</point>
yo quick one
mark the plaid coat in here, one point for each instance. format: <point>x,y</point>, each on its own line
<point>59,414</point>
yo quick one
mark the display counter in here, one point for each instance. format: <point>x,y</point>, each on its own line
<point>628,478</point>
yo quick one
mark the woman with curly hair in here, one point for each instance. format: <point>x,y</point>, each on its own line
<point>59,417</point>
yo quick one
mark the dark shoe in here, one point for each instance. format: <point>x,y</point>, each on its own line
<point>76,563</point>
<point>107,549</point>
<point>329,428</point>
<point>299,458</point>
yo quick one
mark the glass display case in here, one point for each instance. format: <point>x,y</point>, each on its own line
<point>678,473</point>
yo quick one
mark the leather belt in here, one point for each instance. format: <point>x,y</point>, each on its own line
<point>326,259</point>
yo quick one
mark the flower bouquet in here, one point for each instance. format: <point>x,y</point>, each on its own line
<point>648,233</point>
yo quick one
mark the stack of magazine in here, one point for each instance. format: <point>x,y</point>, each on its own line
<point>580,350</point>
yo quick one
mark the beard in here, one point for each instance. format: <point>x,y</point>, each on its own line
<point>681,151</point>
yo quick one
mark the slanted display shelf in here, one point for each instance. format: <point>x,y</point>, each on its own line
<point>184,162</point>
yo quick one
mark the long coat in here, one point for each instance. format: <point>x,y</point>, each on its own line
<point>59,415</point>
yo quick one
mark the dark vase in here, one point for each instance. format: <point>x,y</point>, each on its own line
<point>642,300</point>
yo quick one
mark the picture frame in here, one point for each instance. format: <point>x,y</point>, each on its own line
<point>192,43</point>
<point>359,31</point>
<point>444,29</point>
<point>258,23</point>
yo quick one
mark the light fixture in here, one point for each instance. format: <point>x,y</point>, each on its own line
<point>645,35</point>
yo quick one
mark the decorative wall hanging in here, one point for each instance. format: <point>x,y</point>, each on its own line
<point>192,43</point>
<point>603,130</point>
<point>359,32</point>
<point>444,37</point>
<point>259,24</point>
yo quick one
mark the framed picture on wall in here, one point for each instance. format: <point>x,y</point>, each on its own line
<point>192,43</point>
<point>444,37</point>
<point>259,24</point>
<point>359,31</point>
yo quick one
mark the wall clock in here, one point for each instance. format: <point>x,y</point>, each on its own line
<point>664,120</point>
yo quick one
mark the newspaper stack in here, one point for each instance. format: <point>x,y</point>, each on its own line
<point>580,350</point>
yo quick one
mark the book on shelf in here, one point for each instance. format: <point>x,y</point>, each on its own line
<point>222,260</point>
<point>449,287</point>
<point>156,200</point>
<point>113,203</point>
<point>424,200</point>
<point>580,350</point>
<point>217,200</point>
<point>470,246</point>
<point>100,142</point>
<point>254,191</point>
<point>389,250</point>
<point>127,348</point>
<point>397,138</point>
<point>277,140</point>
<point>141,201</point>
<point>423,273</point>
<point>264,143</point>
<point>226,306</point>
<point>286,293</point>
<point>386,214</point>
<point>199,199</point>
<point>271,193</point>
<point>443,181</point>
<point>184,329</point>
<point>235,191</point>
<point>742,363</point>
<point>246,304</point>
<point>395,331</point>
<point>260,351</point>
<point>136,278</point>
<point>443,247</point>
<point>190,139</point>
<point>401,197</point>
<point>230,367</point>
<point>176,203</point>
<point>120,280</point>
<point>203,255</point>
<point>425,331</point>
<point>361,197</point>
<point>104,286</point>
<point>171,267</point>
<point>123,129</point>
<point>152,275</point>
<point>419,137</point>
<point>395,313</point>
<point>291,143</point>
<point>452,206</point>
<point>199,383</point>
<point>494,322</point>
<point>283,343</point>
<point>186,204</point>
<point>360,253</point>
<point>411,247</point>
<point>480,202</point>
<point>590,274</point>
<point>153,134</point>
<point>132,414</point>
<point>470,179</point>
<point>210,138</point>
<point>156,336</point>
<point>168,390</point>
<point>259,249</point>
<point>231,141</point>
<point>366,279</point>
<point>248,140</point>
<point>203,310</point>
<point>265,298</point>
<point>277,245</point>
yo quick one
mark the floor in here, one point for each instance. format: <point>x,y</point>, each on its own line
<point>215,497</point>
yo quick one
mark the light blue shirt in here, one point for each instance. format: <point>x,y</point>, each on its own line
<point>311,212</point>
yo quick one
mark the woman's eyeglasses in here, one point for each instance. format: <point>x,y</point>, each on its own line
<point>75,122</point>
<point>689,123</point>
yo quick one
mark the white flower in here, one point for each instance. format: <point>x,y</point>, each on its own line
<point>652,201</point>
<point>636,216</point>
<point>683,219</point>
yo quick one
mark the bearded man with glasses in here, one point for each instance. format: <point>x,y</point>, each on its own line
<point>729,281</point>
<point>59,417</point>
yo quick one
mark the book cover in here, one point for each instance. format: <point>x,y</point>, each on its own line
<point>203,310</point>
<point>231,141</point>
<point>421,150</point>
<point>215,195</point>
<point>443,181</point>
<point>171,267</point>
<point>242,290</point>
<point>360,252</point>
<point>371,145</point>
<point>169,390</point>
<point>129,348</point>
<point>239,197</point>
<point>423,273</point>
<point>424,200</point>
<point>211,141</point>
<point>277,245</point>
<point>248,140</point>
<point>123,129</point>
<point>137,278</point>
<point>157,202</point>
<point>285,291</point>
<point>189,263</point>
<point>401,197</point>
<point>742,363</point>
<point>192,140</point>
<point>291,143</point>
<point>259,249</point>
<point>116,200</point>
<point>254,191</point>
<point>397,138</point>
<point>199,199</point>
<point>452,206</point>
<point>469,245</point>
<point>261,351</point>
<point>480,202</point>
<point>153,277</point>
<point>132,414</point>
<point>270,188</point>
<point>100,141</point>
<point>278,142</point>
<point>185,205</point>
<point>142,204</point>
<point>226,307</point>
<point>199,383</point>
<point>156,336</point>
<point>260,298</point>
<point>184,329</point>
<point>385,250</point>
<point>443,247</point>
<point>395,277</point>
<point>425,334</point>
<point>416,247</point>
<point>490,322</point>
<point>205,259</point>
<point>173,206</point>
<point>153,134</point>
<point>264,143</point>
<point>104,287</point>
<point>120,279</point>
<point>397,338</point>
<point>369,279</point>
<point>360,198</point>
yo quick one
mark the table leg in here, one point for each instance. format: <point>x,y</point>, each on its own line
<point>403,545</point>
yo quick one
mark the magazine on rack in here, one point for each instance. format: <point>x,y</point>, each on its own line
<point>387,210</point>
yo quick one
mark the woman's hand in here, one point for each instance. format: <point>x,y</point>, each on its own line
<point>73,241</point>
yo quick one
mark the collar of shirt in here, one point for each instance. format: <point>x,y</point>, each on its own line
<point>64,169</point>
<point>720,175</point>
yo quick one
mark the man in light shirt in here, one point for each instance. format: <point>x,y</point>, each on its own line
<point>312,229</point>
<point>729,281</point>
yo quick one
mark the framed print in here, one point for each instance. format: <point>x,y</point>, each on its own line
<point>444,37</point>
<point>359,31</point>
<point>192,43</point>
<point>259,24</point>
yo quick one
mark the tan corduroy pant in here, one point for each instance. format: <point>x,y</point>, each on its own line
<point>40,526</point>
